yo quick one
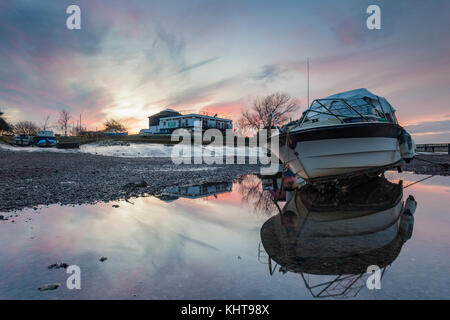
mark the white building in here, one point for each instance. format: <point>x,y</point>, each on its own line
<point>168,120</point>
<point>200,191</point>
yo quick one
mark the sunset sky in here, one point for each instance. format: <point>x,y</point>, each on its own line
<point>134,58</point>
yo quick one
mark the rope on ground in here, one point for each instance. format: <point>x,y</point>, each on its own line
<point>445,166</point>
<point>413,183</point>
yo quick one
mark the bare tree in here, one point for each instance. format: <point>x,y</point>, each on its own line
<point>115,125</point>
<point>46,124</point>
<point>280,105</point>
<point>63,121</point>
<point>251,190</point>
<point>25,127</point>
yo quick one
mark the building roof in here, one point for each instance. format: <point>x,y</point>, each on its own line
<point>194,115</point>
<point>165,113</point>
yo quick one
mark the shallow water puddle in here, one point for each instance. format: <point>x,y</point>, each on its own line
<point>200,242</point>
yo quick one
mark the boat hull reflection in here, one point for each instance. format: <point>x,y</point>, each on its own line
<point>311,236</point>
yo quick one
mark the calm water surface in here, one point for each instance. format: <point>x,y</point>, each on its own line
<point>205,242</point>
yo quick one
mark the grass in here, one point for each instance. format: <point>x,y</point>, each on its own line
<point>164,139</point>
<point>135,138</point>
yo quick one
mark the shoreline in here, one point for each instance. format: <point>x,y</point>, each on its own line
<point>424,167</point>
<point>30,179</point>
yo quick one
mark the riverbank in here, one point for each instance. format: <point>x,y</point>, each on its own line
<point>133,138</point>
<point>29,179</point>
<point>429,164</point>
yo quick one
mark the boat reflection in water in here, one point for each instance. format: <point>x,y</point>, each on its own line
<point>332,239</point>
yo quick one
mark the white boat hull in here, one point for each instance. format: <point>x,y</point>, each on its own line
<point>330,157</point>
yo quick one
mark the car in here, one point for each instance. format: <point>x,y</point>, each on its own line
<point>22,140</point>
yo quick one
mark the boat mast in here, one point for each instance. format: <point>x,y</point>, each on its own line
<point>307,79</point>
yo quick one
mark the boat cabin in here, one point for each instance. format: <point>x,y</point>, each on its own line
<point>358,105</point>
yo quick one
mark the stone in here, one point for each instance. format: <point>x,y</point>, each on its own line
<point>52,286</point>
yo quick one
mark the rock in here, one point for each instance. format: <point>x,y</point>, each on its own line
<point>52,286</point>
<point>131,185</point>
<point>102,259</point>
<point>115,206</point>
<point>58,266</point>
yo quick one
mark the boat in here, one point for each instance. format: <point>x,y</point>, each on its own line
<point>22,140</point>
<point>334,244</point>
<point>280,184</point>
<point>350,133</point>
<point>45,139</point>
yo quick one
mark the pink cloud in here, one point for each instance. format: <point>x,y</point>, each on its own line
<point>229,109</point>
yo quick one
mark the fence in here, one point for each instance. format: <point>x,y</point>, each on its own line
<point>433,147</point>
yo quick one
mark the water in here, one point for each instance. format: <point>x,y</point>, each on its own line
<point>205,243</point>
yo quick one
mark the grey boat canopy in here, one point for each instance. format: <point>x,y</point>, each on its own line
<point>380,103</point>
<point>359,102</point>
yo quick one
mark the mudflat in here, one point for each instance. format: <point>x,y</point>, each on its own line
<point>29,179</point>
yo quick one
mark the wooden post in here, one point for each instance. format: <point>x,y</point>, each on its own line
<point>448,149</point>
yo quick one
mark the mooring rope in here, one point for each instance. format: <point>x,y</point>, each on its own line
<point>413,183</point>
<point>445,166</point>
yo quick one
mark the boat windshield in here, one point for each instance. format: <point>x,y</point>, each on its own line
<point>347,110</point>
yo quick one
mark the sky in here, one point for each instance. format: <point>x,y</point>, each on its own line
<point>131,59</point>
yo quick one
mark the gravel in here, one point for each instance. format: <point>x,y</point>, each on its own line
<point>44,178</point>
<point>423,166</point>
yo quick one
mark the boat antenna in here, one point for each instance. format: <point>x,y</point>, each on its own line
<point>273,120</point>
<point>307,79</point>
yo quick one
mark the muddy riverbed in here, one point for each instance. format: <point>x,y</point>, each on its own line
<point>29,179</point>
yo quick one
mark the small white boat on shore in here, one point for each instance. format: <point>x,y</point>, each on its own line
<point>349,133</point>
